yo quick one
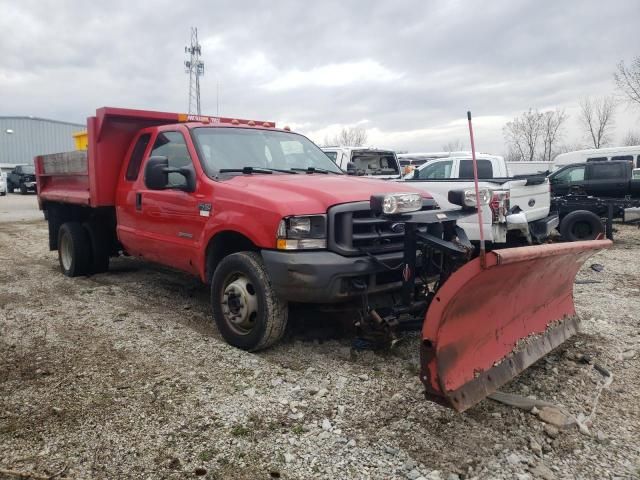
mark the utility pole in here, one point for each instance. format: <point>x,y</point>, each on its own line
<point>195,68</point>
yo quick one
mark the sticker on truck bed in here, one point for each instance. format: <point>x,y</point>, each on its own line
<point>205,209</point>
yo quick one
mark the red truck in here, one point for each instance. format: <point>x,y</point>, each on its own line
<point>265,218</point>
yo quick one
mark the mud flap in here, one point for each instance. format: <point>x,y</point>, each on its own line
<point>485,326</point>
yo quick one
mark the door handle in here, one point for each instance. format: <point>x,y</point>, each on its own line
<point>138,201</point>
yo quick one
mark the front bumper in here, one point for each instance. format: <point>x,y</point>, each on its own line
<point>541,229</point>
<point>326,277</point>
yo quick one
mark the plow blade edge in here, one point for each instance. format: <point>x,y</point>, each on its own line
<point>486,325</point>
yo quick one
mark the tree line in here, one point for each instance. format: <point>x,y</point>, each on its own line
<point>535,135</point>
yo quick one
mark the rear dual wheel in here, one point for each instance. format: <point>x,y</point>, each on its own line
<point>246,309</point>
<point>83,249</point>
<point>581,225</point>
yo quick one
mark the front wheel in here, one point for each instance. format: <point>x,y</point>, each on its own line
<point>245,307</point>
<point>23,189</point>
<point>581,225</point>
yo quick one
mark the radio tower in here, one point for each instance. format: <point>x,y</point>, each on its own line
<point>195,68</point>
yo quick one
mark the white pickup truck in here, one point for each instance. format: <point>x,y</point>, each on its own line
<point>518,207</point>
<point>371,162</point>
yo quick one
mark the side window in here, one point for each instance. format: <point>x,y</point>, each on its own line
<point>173,146</point>
<point>638,161</point>
<point>485,169</point>
<point>136,157</point>
<point>575,174</point>
<point>332,155</point>
<point>597,159</point>
<point>436,170</point>
<point>623,157</point>
<point>607,171</point>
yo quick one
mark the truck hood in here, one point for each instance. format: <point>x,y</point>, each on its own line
<point>312,193</point>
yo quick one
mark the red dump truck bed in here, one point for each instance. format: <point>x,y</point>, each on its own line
<point>90,177</point>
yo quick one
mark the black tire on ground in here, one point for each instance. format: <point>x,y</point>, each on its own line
<point>23,189</point>
<point>241,286</point>
<point>2,194</point>
<point>9,187</point>
<point>74,249</point>
<point>100,242</point>
<point>581,225</point>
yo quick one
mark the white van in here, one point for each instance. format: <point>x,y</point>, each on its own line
<point>599,155</point>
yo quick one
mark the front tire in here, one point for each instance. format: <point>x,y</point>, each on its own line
<point>74,250</point>
<point>23,189</point>
<point>245,307</point>
<point>581,225</point>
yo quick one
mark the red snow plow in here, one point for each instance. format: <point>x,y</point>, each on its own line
<point>482,322</point>
<point>486,325</point>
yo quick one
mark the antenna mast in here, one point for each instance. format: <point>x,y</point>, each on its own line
<point>195,68</point>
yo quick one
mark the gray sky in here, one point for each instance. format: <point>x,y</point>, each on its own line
<point>405,71</point>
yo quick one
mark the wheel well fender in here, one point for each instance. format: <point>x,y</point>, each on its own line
<point>222,244</point>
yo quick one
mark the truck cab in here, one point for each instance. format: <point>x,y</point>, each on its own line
<point>364,161</point>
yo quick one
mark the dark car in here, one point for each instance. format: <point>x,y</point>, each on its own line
<point>22,177</point>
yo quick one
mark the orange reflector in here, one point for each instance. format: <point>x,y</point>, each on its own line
<point>286,127</point>
<point>281,244</point>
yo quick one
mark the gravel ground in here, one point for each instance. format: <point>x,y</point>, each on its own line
<point>123,375</point>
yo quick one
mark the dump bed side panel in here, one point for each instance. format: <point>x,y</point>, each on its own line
<point>63,177</point>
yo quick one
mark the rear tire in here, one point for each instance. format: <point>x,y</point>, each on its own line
<point>245,307</point>
<point>99,240</point>
<point>581,225</point>
<point>74,250</point>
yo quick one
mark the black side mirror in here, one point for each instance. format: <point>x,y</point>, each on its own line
<point>351,168</point>
<point>156,175</point>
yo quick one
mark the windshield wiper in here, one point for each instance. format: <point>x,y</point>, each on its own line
<point>250,170</point>
<point>313,170</point>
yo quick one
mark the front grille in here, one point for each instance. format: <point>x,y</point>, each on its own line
<point>354,230</point>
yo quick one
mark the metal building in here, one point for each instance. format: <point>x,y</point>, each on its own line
<point>22,138</point>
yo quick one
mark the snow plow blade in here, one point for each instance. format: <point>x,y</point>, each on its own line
<point>486,325</point>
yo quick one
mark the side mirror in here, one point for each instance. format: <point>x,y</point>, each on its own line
<point>351,168</point>
<point>156,176</point>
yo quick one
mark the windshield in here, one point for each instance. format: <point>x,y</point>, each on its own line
<point>237,148</point>
<point>28,169</point>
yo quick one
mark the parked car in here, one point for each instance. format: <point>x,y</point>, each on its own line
<point>363,161</point>
<point>264,218</point>
<point>3,184</point>
<point>519,208</point>
<point>583,193</point>
<point>22,177</point>
<point>630,154</point>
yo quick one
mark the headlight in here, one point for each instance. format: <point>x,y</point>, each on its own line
<point>467,198</point>
<point>301,233</point>
<point>394,203</point>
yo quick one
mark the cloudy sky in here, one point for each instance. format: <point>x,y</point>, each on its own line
<point>405,71</point>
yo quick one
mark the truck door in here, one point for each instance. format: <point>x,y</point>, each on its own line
<point>166,226</point>
<point>566,179</point>
<point>607,179</point>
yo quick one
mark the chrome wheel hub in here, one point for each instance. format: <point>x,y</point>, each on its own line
<point>240,304</point>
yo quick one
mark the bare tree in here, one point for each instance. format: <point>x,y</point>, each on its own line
<point>453,146</point>
<point>552,123</point>
<point>522,134</point>
<point>597,118</point>
<point>631,139</point>
<point>628,80</point>
<point>348,137</point>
